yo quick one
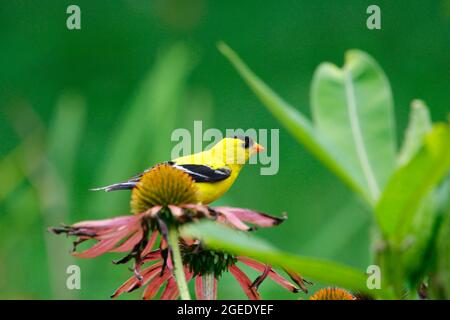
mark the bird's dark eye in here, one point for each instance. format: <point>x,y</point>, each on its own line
<point>248,142</point>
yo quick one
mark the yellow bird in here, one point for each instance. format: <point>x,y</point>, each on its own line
<point>214,171</point>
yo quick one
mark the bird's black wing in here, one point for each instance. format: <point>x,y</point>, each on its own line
<point>203,173</point>
<point>198,172</point>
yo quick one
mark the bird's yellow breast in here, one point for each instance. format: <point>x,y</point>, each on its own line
<point>211,191</point>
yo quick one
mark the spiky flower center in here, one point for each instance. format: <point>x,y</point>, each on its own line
<point>332,294</point>
<point>203,261</point>
<point>162,186</point>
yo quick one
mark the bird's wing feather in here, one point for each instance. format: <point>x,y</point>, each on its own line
<point>198,172</point>
<point>204,173</point>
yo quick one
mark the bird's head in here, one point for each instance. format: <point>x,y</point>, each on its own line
<point>237,149</point>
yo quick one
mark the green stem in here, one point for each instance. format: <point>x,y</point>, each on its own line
<point>180,277</point>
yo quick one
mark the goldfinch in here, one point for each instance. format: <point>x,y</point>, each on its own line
<point>214,171</point>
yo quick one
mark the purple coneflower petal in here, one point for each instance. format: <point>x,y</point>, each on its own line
<point>106,223</point>
<point>150,243</point>
<point>133,282</point>
<point>98,249</point>
<point>155,284</point>
<point>130,242</point>
<point>199,288</point>
<point>245,283</point>
<point>177,212</point>
<point>272,274</point>
<point>232,219</point>
<point>298,280</point>
<point>254,217</point>
<point>170,291</point>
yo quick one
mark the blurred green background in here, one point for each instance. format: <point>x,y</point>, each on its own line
<point>88,107</point>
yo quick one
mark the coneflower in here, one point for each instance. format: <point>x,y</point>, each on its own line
<point>332,293</point>
<point>164,199</point>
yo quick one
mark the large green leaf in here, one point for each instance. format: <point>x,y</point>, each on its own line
<point>419,125</point>
<point>410,185</point>
<point>420,239</point>
<point>298,125</point>
<point>352,106</point>
<point>220,237</point>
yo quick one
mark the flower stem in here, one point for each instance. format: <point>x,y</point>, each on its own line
<point>180,277</point>
<point>208,286</point>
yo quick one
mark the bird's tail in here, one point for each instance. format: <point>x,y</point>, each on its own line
<point>117,186</point>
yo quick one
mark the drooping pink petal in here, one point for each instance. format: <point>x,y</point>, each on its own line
<point>232,219</point>
<point>260,279</point>
<point>170,291</point>
<point>130,242</point>
<point>245,283</point>
<point>106,223</point>
<point>150,243</point>
<point>98,249</point>
<point>275,276</point>
<point>177,212</point>
<point>298,280</point>
<point>153,211</point>
<point>151,256</point>
<point>199,288</point>
<point>155,284</point>
<point>258,218</point>
<point>133,282</point>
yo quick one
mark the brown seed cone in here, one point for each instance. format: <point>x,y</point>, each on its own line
<point>162,186</point>
<point>332,294</point>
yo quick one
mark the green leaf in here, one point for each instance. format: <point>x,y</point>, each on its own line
<point>352,107</point>
<point>424,233</point>
<point>238,243</point>
<point>410,185</point>
<point>440,279</point>
<point>419,125</point>
<point>297,124</point>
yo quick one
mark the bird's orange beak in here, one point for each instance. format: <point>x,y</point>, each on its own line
<point>257,148</point>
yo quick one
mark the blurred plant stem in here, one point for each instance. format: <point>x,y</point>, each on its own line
<point>146,124</point>
<point>208,286</point>
<point>49,168</point>
<point>180,277</point>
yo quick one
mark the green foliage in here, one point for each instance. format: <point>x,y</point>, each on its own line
<point>411,183</point>
<point>297,124</point>
<point>115,55</point>
<point>353,108</point>
<point>353,135</point>
<point>222,238</point>
<point>419,125</point>
<point>440,278</point>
